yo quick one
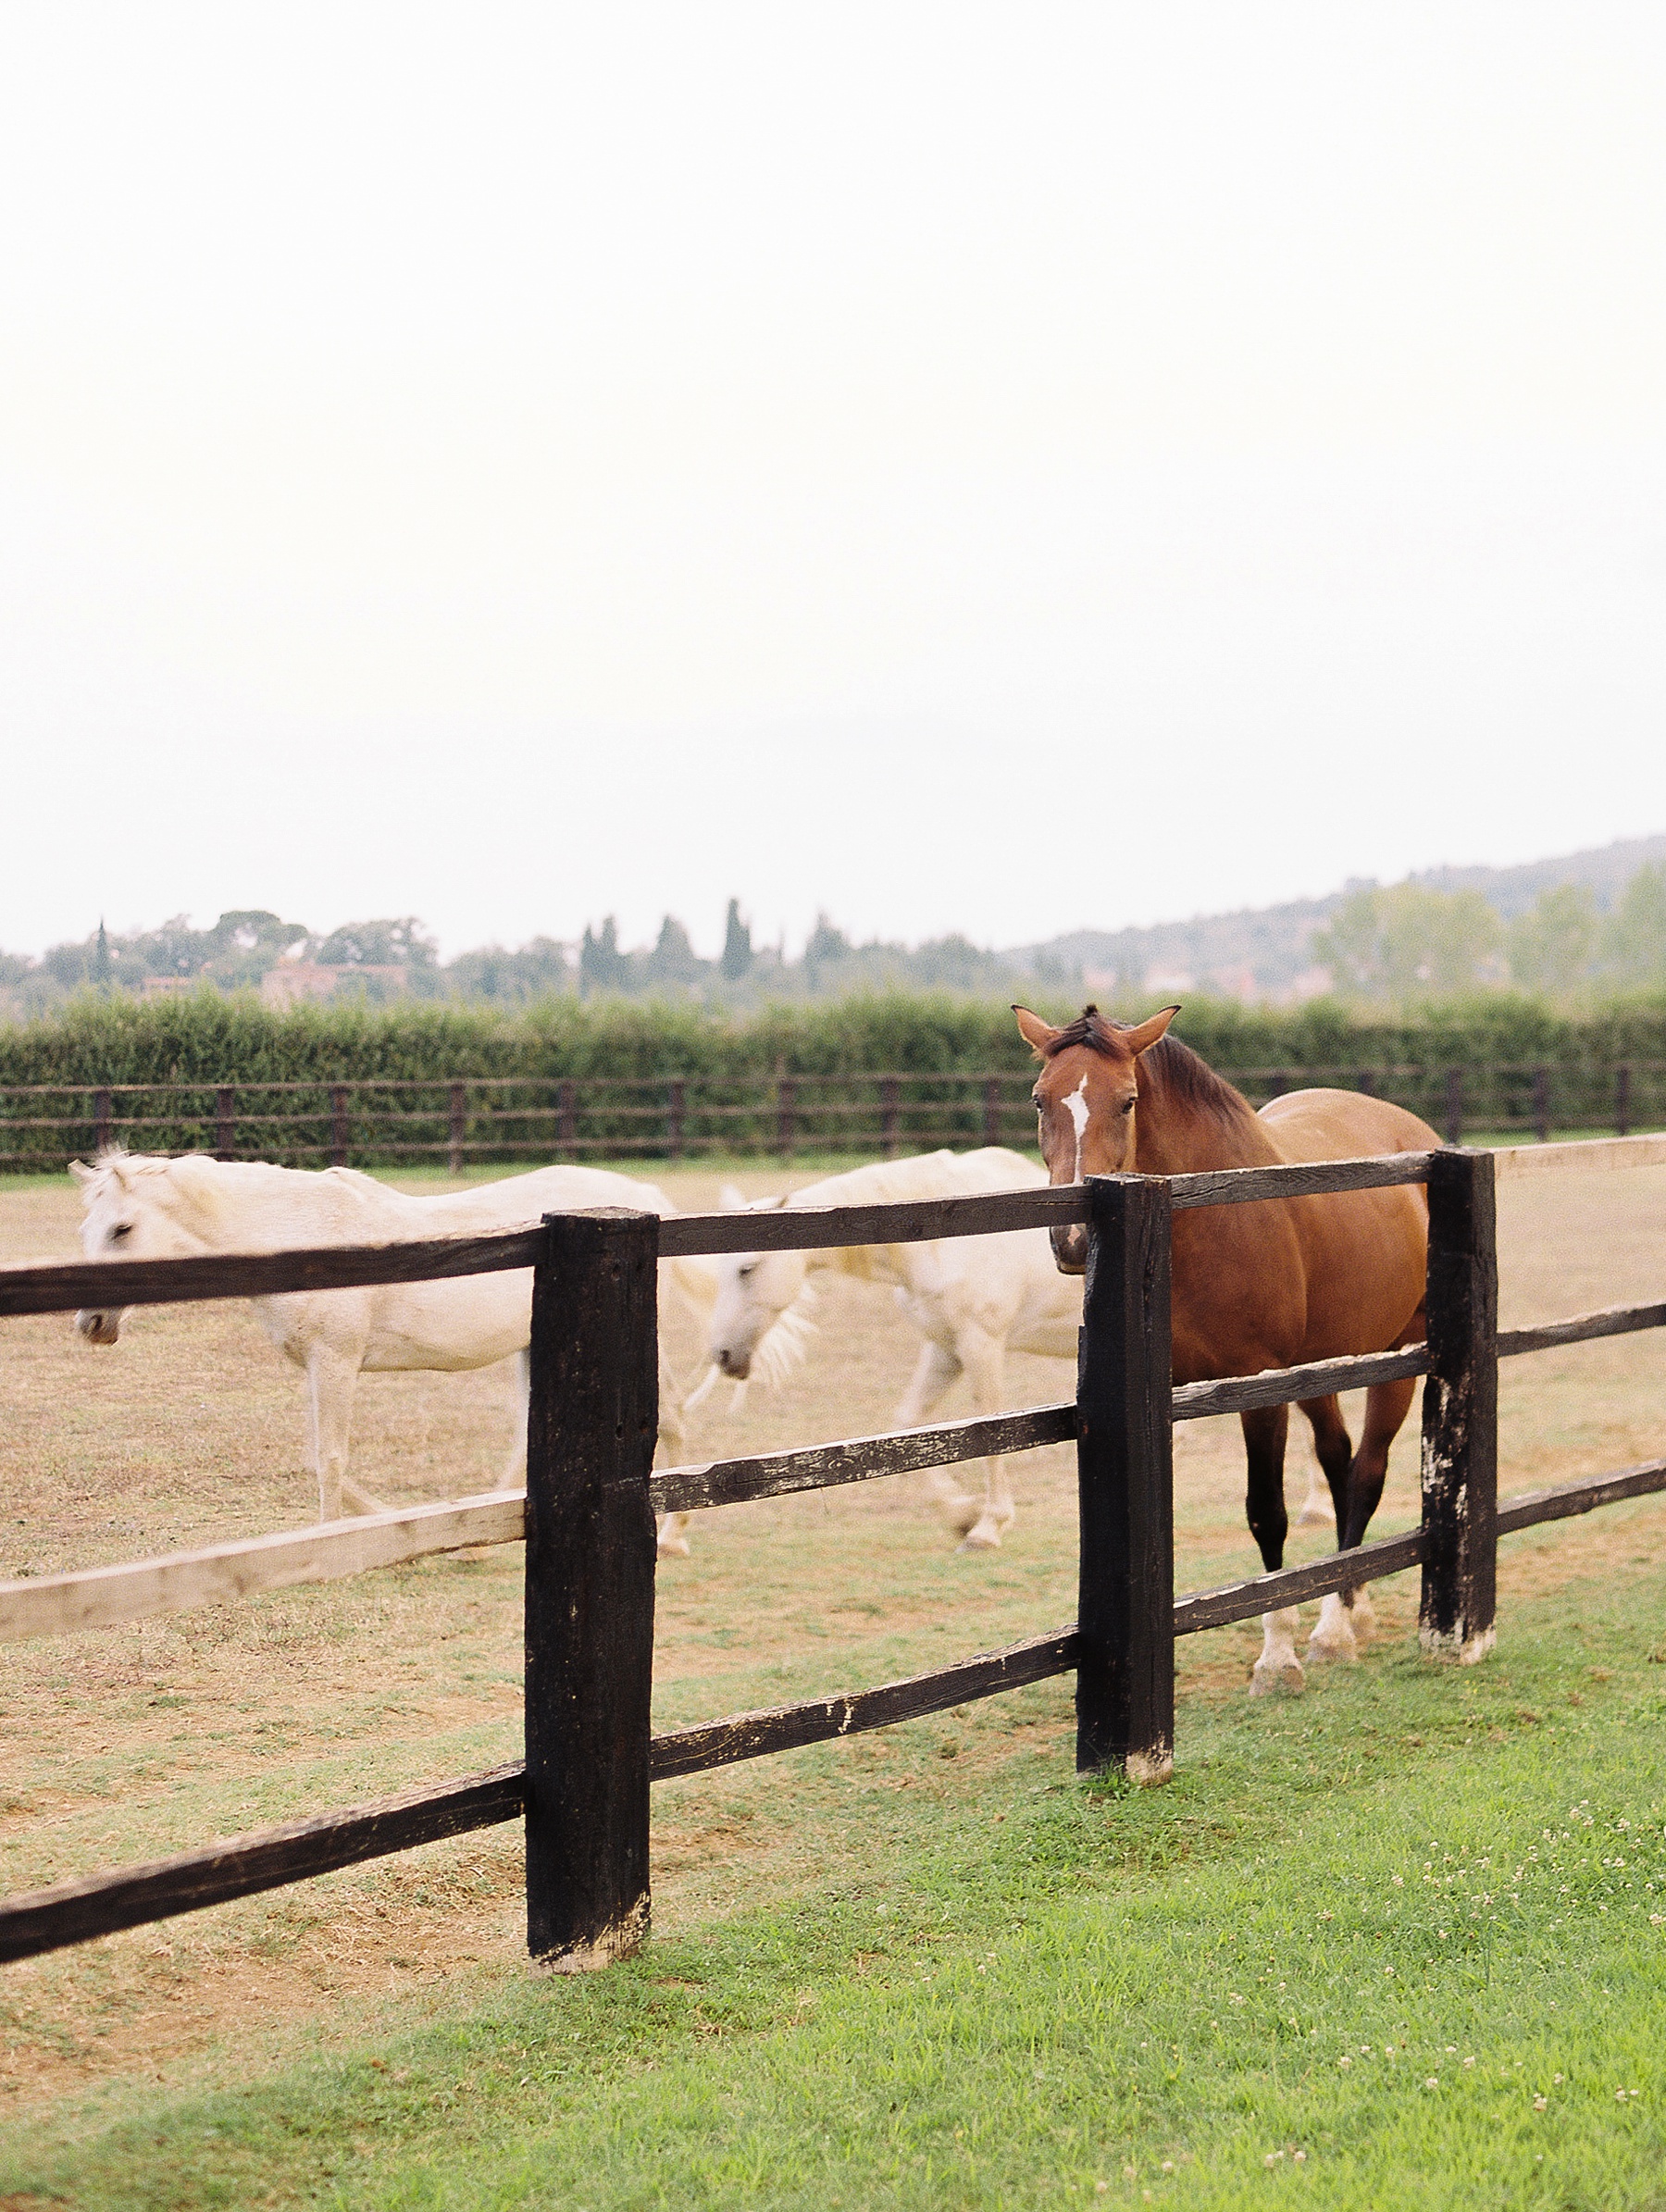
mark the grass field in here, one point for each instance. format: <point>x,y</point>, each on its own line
<point>923,1966</point>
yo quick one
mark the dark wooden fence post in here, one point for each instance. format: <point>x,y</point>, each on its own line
<point>1124,1476</point>
<point>1541,1105</point>
<point>1461,1411</point>
<point>567,1119</point>
<point>674,1118</point>
<point>338,1125</point>
<point>102,1119</point>
<point>225,1122</point>
<point>890,1099</point>
<point>786,1115</point>
<point>1278,1082</point>
<point>459,1127</point>
<point>590,1587</point>
<point>1454,1106</point>
<point>1622,1101</point>
<point>991,1113</point>
<point>1367,1083</point>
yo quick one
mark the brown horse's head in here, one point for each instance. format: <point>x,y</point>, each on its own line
<point>1086,1098</point>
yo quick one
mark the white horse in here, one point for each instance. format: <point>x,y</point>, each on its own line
<point>139,1207</point>
<point>973,1300</point>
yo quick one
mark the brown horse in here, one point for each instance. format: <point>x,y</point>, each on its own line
<point>1270,1285</point>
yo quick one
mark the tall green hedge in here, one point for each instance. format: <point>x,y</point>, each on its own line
<point>208,1038</point>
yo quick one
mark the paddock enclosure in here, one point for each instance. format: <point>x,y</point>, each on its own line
<point>589,1582</point>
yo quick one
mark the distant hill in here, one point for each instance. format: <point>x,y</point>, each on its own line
<point>1263,952</point>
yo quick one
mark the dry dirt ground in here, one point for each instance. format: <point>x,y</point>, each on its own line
<point>132,1742</point>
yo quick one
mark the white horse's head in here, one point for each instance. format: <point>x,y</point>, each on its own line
<point>761,1316</point>
<point>126,1215</point>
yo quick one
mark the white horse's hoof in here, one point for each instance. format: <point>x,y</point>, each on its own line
<point>984,1535</point>
<point>1318,1513</point>
<point>962,1513</point>
<point>1362,1614</point>
<point>1284,1674</point>
<point>673,1547</point>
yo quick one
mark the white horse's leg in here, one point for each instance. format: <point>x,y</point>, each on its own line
<point>331,1378</point>
<point>935,1370</point>
<point>672,1537</point>
<point>983,1358</point>
<point>1317,1509</point>
<point>514,1467</point>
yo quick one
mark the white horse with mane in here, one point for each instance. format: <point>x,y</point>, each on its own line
<point>973,1300</point>
<point>148,1207</point>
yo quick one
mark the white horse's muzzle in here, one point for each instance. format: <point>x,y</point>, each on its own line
<point>99,1328</point>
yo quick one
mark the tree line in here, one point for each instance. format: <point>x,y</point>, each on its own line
<point>1397,946</point>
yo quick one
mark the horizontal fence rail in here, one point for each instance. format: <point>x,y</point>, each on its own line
<point>63,1286</point>
<point>859,1459</point>
<point>73,1912</point>
<point>458,1122</point>
<point>53,1604</point>
<point>787,1727</point>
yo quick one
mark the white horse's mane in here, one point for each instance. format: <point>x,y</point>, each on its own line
<point>785,1344</point>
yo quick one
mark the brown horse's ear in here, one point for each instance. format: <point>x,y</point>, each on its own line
<point>1142,1039</point>
<point>1036,1033</point>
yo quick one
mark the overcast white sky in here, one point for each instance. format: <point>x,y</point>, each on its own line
<point>962,467</point>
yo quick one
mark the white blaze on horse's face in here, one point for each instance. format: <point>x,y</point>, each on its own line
<point>1086,1096</point>
<point>753,1291</point>
<point>1076,1105</point>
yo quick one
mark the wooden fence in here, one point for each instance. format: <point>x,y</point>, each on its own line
<point>587,1516</point>
<point>471,1120</point>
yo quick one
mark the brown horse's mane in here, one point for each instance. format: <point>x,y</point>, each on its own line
<point>1186,1079</point>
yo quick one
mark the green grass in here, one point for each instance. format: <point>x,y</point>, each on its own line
<point>1336,1961</point>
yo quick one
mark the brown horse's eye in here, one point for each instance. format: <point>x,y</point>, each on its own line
<point>1130,1104</point>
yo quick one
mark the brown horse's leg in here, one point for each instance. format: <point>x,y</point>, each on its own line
<point>1265,1432</point>
<point>1334,1636</point>
<point>1386,1408</point>
<point>1336,1453</point>
<point>1387,1405</point>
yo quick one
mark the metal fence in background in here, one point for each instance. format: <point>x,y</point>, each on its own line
<point>474,1121</point>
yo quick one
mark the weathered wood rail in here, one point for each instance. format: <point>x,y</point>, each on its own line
<point>587,1517</point>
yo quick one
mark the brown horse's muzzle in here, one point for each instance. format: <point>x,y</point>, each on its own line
<point>99,1328</point>
<point>1070,1248</point>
